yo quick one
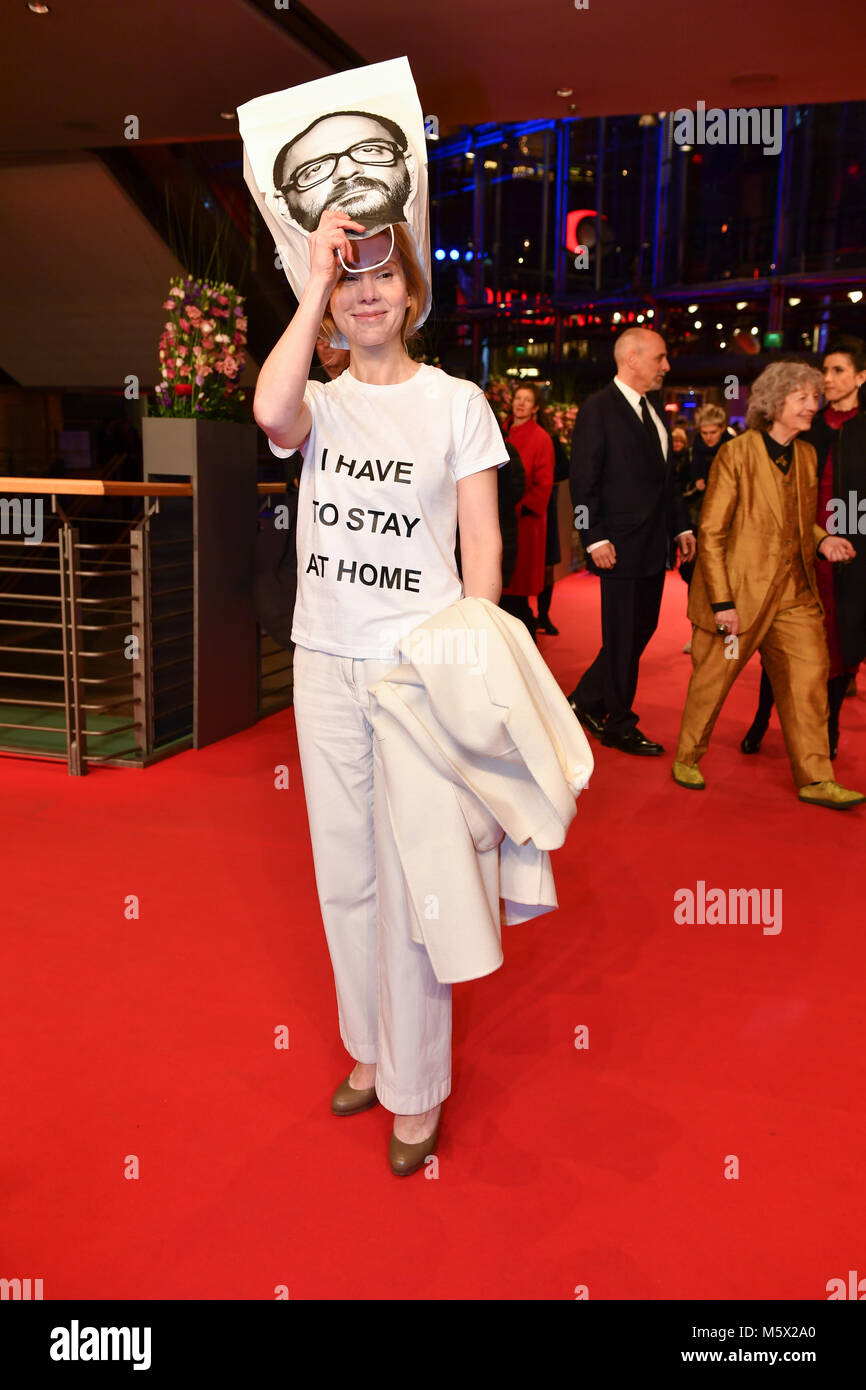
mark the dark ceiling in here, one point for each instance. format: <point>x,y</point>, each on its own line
<point>73,76</point>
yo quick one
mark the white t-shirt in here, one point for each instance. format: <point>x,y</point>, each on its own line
<point>377,506</point>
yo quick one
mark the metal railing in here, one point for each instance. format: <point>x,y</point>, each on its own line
<point>86,642</point>
<point>97,635</point>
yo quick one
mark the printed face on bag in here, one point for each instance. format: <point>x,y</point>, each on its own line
<point>357,163</point>
<point>352,143</point>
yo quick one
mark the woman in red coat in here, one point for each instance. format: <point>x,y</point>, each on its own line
<point>535,448</point>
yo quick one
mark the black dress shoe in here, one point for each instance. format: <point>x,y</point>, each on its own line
<point>590,722</point>
<point>751,743</point>
<point>633,742</point>
<point>545,625</point>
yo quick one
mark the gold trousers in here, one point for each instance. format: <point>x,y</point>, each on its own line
<point>789,634</point>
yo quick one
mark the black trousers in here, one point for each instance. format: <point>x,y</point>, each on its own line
<point>836,687</point>
<point>629,617</point>
<point>518,606</point>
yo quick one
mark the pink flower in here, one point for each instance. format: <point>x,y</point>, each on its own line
<point>168,304</point>
<point>193,312</point>
<point>184,323</point>
<point>241,324</point>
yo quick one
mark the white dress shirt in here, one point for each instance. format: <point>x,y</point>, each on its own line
<point>634,399</point>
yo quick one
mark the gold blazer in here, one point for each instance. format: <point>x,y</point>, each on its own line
<point>742,533</point>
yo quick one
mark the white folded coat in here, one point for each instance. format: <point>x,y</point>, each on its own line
<point>483,761</point>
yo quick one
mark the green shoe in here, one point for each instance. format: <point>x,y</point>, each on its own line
<point>830,794</point>
<point>688,776</point>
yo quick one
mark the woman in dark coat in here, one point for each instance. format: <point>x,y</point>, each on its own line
<point>713,430</point>
<point>838,435</point>
<point>511,485</point>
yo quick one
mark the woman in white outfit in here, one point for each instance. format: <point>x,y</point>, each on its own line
<point>396,453</point>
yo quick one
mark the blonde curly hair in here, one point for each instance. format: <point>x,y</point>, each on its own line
<point>771,389</point>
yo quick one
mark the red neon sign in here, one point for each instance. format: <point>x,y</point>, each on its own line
<point>572,222</point>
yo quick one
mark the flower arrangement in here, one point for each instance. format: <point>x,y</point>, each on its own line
<point>201,351</point>
<point>562,418</point>
<point>498,391</point>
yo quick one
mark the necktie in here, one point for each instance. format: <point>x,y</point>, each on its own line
<point>649,426</point>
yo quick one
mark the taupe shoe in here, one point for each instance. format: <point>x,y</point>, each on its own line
<point>347,1101</point>
<point>830,794</point>
<point>687,776</point>
<point>408,1158</point>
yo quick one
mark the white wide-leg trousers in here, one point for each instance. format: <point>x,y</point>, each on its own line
<point>391,1008</point>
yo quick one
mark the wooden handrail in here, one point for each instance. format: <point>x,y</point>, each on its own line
<point>94,487</point>
<point>104,487</point>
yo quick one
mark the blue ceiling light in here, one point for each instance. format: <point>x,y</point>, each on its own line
<point>454,254</point>
<point>439,254</point>
<point>467,255</point>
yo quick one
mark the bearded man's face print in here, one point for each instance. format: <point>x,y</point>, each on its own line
<point>356,162</point>
<point>353,141</point>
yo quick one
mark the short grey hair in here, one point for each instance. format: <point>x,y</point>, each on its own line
<point>771,389</point>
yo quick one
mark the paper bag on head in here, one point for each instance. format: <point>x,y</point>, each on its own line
<point>354,141</point>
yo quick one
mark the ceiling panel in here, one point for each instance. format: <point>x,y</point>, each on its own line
<point>74,76</point>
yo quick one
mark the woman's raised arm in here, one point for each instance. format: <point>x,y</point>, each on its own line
<point>278,405</point>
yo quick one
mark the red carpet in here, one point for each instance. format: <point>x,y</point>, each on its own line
<point>558,1167</point>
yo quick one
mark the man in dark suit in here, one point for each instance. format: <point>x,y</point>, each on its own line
<point>623,482</point>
